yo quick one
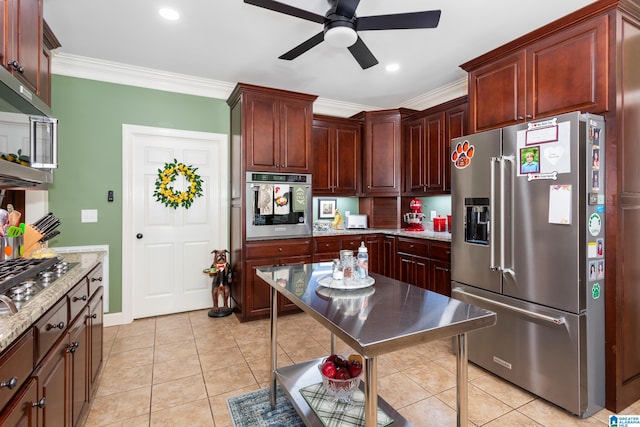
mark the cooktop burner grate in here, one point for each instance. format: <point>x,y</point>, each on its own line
<point>15,271</point>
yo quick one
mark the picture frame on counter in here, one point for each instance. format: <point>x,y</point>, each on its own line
<point>327,208</point>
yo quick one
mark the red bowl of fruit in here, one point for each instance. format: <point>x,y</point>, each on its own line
<point>341,375</point>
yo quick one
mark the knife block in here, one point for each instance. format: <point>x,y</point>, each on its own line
<point>31,240</point>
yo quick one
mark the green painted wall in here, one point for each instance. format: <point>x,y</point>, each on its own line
<point>91,115</point>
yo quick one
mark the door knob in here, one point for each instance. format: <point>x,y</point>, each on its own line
<point>139,236</point>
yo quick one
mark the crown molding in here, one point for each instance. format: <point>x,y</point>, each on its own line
<point>438,96</point>
<point>118,73</point>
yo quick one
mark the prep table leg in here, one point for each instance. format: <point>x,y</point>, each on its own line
<point>462,385</point>
<point>370,392</point>
<point>274,346</point>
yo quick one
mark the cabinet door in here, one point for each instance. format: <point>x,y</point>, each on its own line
<point>79,361</point>
<point>568,71</point>
<point>456,126</point>
<point>414,156</point>
<point>382,154</point>
<point>29,47</point>
<point>347,160</point>
<point>387,264</point>
<point>440,277</point>
<point>52,376</point>
<point>375,250</point>
<point>22,412</point>
<point>434,145</point>
<point>406,268</point>
<point>96,322</point>
<point>261,132</point>
<point>497,93</point>
<point>322,159</point>
<point>258,294</point>
<point>295,123</point>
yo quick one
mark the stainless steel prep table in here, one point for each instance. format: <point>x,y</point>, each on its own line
<point>388,316</point>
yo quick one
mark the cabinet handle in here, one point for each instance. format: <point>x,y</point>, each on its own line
<point>94,316</point>
<point>520,118</point>
<point>529,116</point>
<point>279,249</point>
<point>96,279</point>
<point>16,66</point>
<point>73,347</point>
<point>83,298</point>
<point>10,384</point>
<point>40,403</point>
<point>59,325</point>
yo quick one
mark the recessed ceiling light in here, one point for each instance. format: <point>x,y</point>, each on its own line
<point>392,67</point>
<point>170,14</point>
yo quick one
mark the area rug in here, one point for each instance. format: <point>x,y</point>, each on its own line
<point>254,410</point>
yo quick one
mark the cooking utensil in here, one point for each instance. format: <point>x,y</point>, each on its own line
<point>14,231</point>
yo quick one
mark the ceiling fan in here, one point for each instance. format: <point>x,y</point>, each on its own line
<point>341,25</point>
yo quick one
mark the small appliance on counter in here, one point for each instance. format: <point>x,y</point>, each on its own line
<point>415,217</point>
<point>356,221</point>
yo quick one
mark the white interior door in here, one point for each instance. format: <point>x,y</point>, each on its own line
<point>166,249</point>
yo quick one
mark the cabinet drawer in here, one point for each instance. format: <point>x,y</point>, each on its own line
<point>441,251</point>
<point>413,247</point>
<point>78,297</point>
<point>50,327</point>
<point>95,279</point>
<point>352,243</point>
<point>16,365</point>
<point>327,245</point>
<point>278,248</point>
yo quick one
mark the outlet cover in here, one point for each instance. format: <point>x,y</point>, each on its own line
<point>89,215</point>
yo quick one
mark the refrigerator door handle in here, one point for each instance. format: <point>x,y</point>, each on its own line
<point>503,267</point>
<point>492,197</point>
<point>555,320</point>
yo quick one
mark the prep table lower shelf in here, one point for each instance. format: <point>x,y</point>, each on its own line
<point>293,378</point>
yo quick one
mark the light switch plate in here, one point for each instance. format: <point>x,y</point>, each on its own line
<point>89,215</point>
<point>433,215</point>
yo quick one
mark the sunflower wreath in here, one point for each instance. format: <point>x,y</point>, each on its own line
<point>167,195</point>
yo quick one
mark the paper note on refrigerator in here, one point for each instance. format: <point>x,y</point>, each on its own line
<point>560,204</point>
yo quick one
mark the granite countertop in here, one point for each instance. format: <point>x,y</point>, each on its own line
<point>13,325</point>
<point>427,234</point>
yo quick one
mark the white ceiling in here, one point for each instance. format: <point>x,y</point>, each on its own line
<point>230,41</point>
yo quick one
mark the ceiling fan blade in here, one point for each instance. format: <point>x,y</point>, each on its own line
<point>400,21</point>
<point>287,10</point>
<point>303,47</point>
<point>362,54</point>
<point>346,8</point>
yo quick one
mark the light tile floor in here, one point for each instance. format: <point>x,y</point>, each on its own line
<point>178,370</point>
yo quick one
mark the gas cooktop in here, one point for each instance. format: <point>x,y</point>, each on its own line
<point>21,279</point>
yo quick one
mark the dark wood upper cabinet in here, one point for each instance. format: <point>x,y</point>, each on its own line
<point>335,148</point>
<point>427,137</point>
<point>275,128</point>
<point>563,71</point>
<point>382,152</point>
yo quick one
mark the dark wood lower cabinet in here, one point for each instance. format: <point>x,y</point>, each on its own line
<point>65,347</point>
<point>23,409</point>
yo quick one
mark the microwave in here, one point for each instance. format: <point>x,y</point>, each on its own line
<point>279,205</point>
<point>28,149</point>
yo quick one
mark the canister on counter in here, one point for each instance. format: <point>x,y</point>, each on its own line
<point>346,259</point>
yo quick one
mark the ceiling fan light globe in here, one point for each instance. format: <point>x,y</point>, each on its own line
<point>340,36</point>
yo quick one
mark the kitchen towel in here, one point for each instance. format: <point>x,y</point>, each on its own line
<point>299,198</point>
<point>339,414</point>
<point>265,199</point>
<point>281,199</point>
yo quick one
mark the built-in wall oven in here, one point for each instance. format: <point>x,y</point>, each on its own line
<point>278,205</point>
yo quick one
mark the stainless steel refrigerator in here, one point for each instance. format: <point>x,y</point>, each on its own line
<point>528,243</point>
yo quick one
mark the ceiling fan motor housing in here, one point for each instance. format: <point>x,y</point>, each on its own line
<point>340,31</point>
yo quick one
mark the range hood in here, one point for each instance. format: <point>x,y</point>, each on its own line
<point>17,177</point>
<point>16,98</point>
